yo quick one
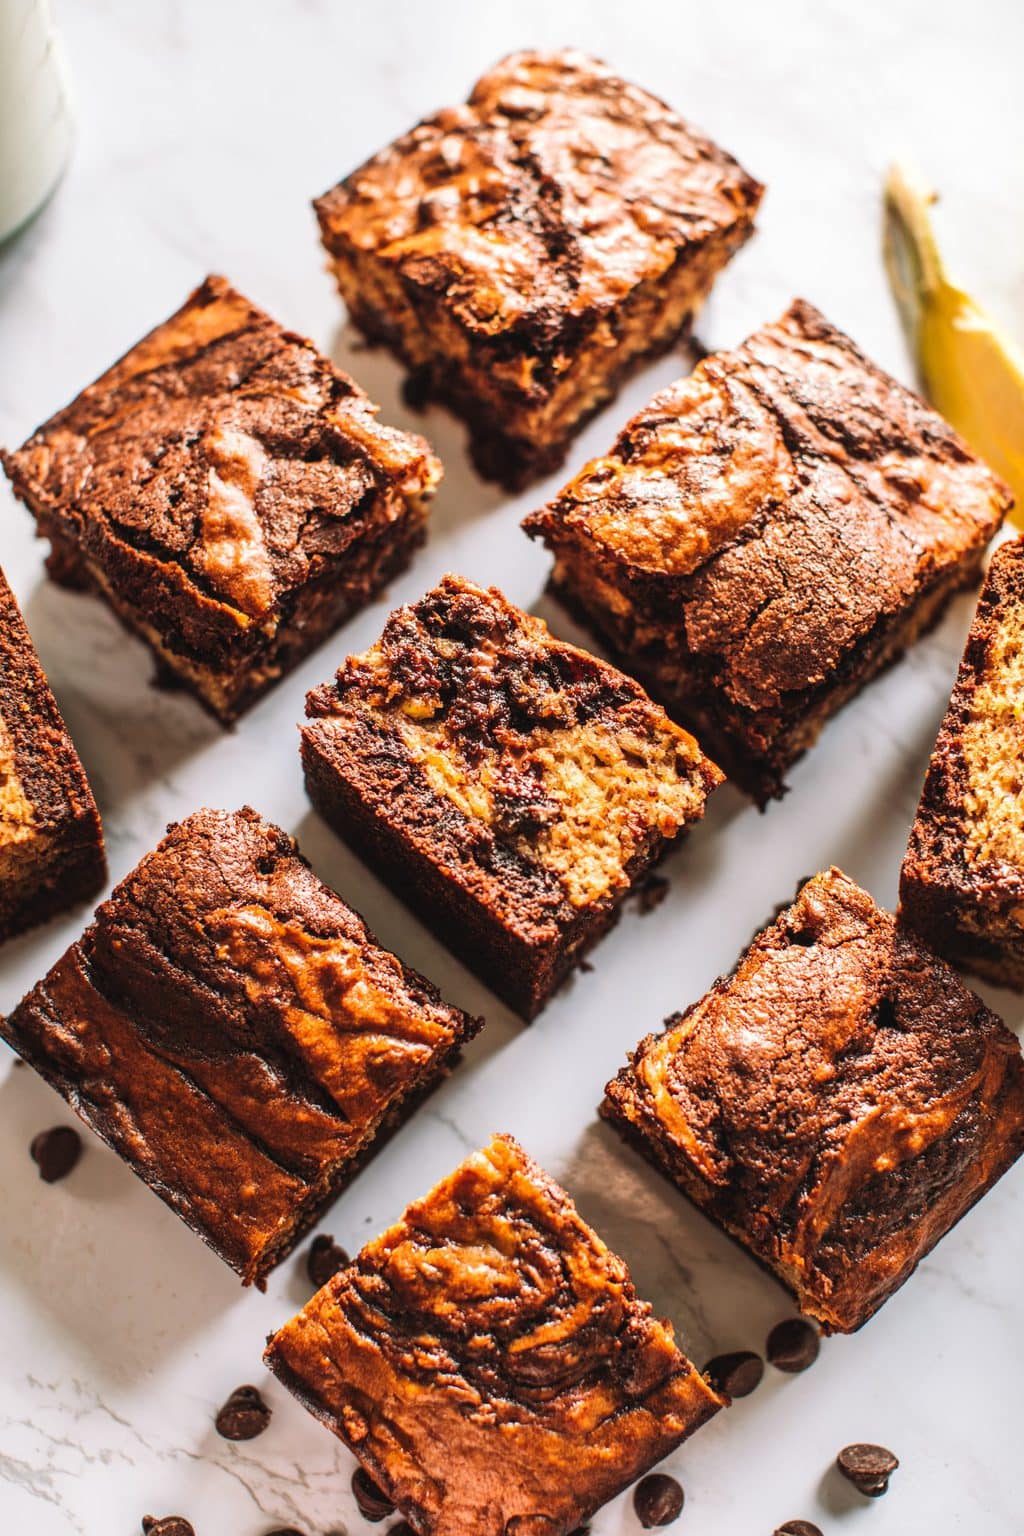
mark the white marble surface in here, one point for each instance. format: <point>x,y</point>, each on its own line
<point>204,129</point>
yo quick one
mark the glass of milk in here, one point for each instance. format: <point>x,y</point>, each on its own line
<point>35,117</point>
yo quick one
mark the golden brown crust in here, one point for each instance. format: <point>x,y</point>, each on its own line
<point>51,841</point>
<point>962,883</point>
<point>500,246</point>
<point>837,1104</point>
<point>228,490</point>
<point>488,1361</point>
<point>512,786</point>
<point>766,533</point>
<point>230,1027</point>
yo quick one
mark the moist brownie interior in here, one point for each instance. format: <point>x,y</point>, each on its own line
<point>767,534</point>
<point>230,1027</point>
<point>51,842</point>
<point>523,252</point>
<point>229,492</point>
<point>510,786</point>
<point>488,1361</point>
<point>962,883</point>
<point>837,1104</point>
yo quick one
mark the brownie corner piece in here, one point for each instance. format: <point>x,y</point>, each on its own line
<point>511,787</point>
<point>51,840</point>
<point>522,253</point>
<point>230,1027</point>
<point>962,882</point>
<point>837,1104</point>
<point>769,533</point>
<point>488,1361</point>
<point>228,492</point>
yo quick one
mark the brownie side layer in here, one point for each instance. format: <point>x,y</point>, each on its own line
<point>228,491</point>
<point>836,1105</point>
<point>767,534</point>
<point>511,787</point>
<point>523,252</point>
<point>51,841</point>
<point>230,1027</point>
<point>488,1361</point>
<point>962,882</point>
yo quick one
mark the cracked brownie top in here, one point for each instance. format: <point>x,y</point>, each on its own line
<point>224,453</point>
<point>776,504</point>
<point>488,1359</point>
<point>543,201</point>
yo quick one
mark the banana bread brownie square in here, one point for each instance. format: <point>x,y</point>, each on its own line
<point>524,252</point>
<point>962,885</point>
<point>230,494</point>
<point>51,841</point>
<point>511,788</point>
<point>836,1105</point>
<point>767,535</point>
<point>488,1361</point>
<point>228,1025</point>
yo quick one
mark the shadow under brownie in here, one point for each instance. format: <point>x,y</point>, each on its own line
<point>837,1104</point>
<point>962,883</point>
<point>768,534</point>
<point>229,1026</point>
<point>488,1361</point>
<point>526,251</point>
<point>51,841</point>
<point>511,788</point>
<point>230,494</point>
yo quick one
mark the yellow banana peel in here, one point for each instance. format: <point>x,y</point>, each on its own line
<point>969,370</point>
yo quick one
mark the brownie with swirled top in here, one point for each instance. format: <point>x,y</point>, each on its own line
<point>524,252</point>
<point>229,1026</point>
<point>837,1104</point>
<point>489,1362</point>
<point>229,493</point>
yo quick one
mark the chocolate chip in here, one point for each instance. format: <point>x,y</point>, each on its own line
<point>56,1152</point>
<point>324,1259</point>
<point>416,388</point>
<point>658,1500</point>
<point>868,1468</point>
<point>652,893</point>
<point>168,1525</point>
<point>798,1528</point>
<point>244,1416</point>
<point>793,1345</point>
<point>736,1374</point>
<point>373,1502</point>
<point>403,1528</point>
<point>285,1530</point>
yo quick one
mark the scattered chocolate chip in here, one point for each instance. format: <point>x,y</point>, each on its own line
<point>244,1416</point>
<point>798,1528</point>
<point>652,893</point>
<point>285,1530</point>
<point>658,1500</point>
<point>373,1502</point>
<point>168,1525</point>
<point>416,389</point>
<point>403,1528</point>
<point>793,1345</point>
<point>56,1152</point>
<point>324,1258</point>
<point>868,1468</point>
<point>736,1374</point>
